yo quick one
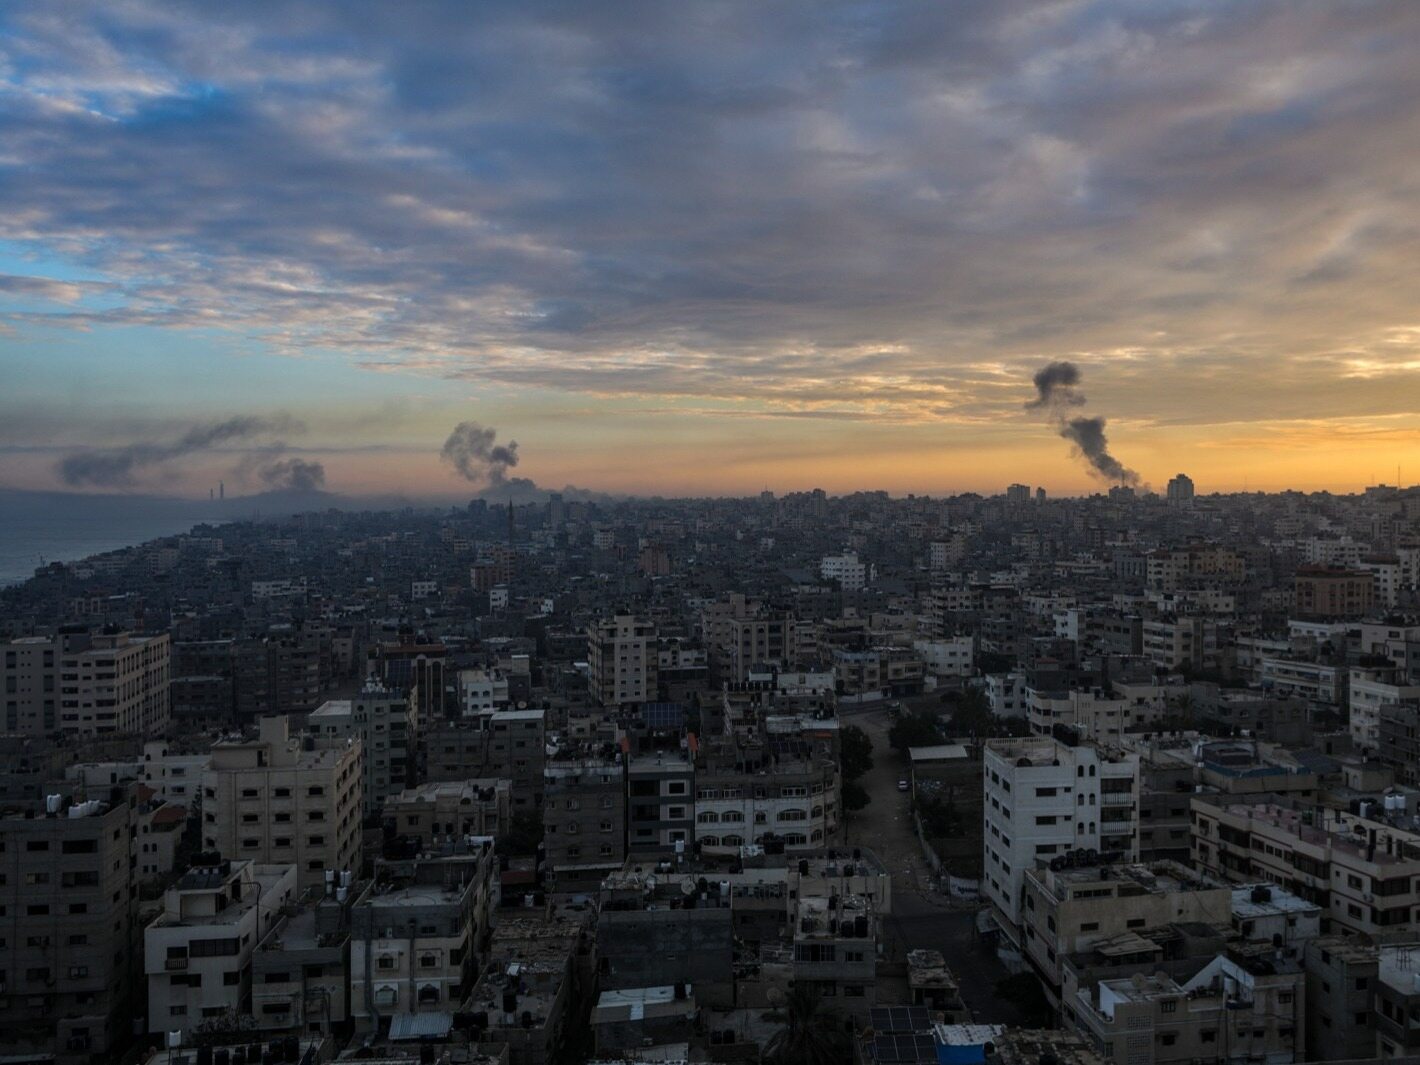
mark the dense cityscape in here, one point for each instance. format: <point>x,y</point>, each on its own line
<point>1129,777</point>
<point>713,533</point>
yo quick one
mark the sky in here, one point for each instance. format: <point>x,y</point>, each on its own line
<point>708,248</point>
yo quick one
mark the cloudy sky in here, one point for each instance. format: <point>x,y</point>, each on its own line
<point>710,247</point>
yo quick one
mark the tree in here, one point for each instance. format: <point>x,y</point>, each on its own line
<point>855,752</point>
<point>855,796</point>
<point>917,729</point>
<point>811,1035</point>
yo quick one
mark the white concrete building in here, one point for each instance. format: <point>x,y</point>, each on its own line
<point>852,574</point>
<point>1312,681</point>
<point>482,691</point>
<point>1369,698</point>
<point>1043,799</point>
<point>197,953</point>
<point>954,657</point>
<point>1007,694</point>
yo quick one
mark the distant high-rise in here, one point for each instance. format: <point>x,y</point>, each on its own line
<point>221,489</point>
<point>1180,491</point>
<point>1018,493</point>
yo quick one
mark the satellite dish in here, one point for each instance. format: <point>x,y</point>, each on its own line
<point>687,887</point>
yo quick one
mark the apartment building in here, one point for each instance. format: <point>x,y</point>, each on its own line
<point>660,805</point>
<point>1070,909</point>
<point>1399,746</point>
<point>1333,592</point>
<point>584,820</point>
<point>386,723</point>
<point>1396,1012</point>
<point>419,932</point>
<point>746,795</point>
<point>197,952</point>
<point>530,988</point>
<point>1181,642</point>
<point>953,657</point>
<point>752,643</point>
<point>1371,696</point>
<point>1236,1008</point>
<point>835,950</point>
<point>443,810</point>
<point>878,673</point>
<point>1341,978</point>
<point>84,683</point>
<point>279,799</point>
<point>71,947</point>
<point>622,654</point>
<point>848,570</point>
<point>300,972</point>
<point>29,681</point>
<point>1363,873</point>
<point>507,743</point>
<point>482,691</point>
<point>1315,682</point>
<point>417,667</point>
<point>1045,799</point>
<point>1172,569</point>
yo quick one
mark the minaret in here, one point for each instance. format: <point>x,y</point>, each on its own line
<point>510,523</point>
<point>221,489</point>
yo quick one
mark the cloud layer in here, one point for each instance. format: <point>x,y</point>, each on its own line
<point>822,209</point>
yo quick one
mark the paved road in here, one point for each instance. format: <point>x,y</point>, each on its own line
<point>921,917</point>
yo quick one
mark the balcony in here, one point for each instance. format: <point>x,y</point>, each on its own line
<point>1116,828</point>
<point>175,964</point>
<point>1116,798</point>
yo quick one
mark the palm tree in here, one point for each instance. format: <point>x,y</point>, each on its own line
<point>811,1035</point>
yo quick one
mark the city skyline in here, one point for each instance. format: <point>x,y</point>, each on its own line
<point>710,254</point>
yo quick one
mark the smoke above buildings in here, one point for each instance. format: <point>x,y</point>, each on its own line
<point>119,467</point>
<point>471,449</point>
<point>292,475</point>
<point>1057,387</point>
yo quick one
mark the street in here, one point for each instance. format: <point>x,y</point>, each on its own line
<point>920,916</point>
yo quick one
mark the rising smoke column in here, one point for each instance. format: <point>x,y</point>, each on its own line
<point>471,450</point>
<point>292,475</point>
<point>1057,391</point>
<point>116,467</point>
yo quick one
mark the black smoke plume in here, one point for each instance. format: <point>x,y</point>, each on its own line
<point>116,467</point>
<point>1057,387</point>
<point>292,475</point>
<point>471,450</point>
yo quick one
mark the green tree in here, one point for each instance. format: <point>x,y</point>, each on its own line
<point>917,729</point>
<point>855,752</point>
<point>855,796</point>
<point>811,1035</point>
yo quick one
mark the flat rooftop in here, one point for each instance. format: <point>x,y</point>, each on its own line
<point>1279,901</point>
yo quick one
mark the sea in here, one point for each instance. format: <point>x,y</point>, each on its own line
<point>38,528</point>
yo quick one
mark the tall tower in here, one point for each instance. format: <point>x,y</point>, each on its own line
<point>510,523</point>
<point>221,489</point>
